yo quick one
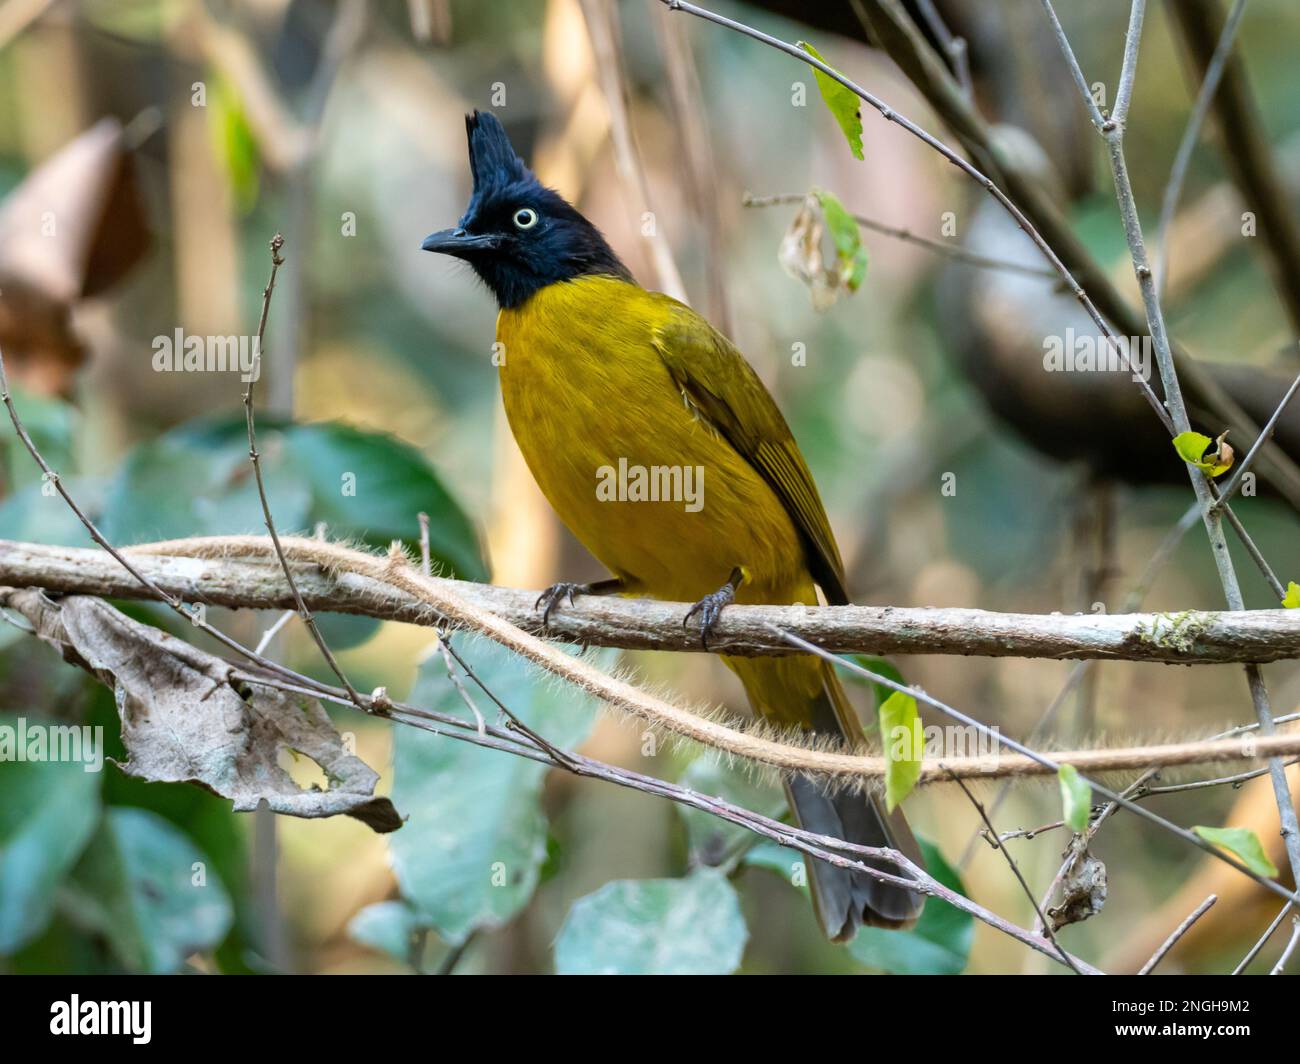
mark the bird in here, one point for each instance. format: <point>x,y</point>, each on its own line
<point>606,386</point>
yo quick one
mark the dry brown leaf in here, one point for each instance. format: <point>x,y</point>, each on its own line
<point>185,718</point>
<point>1083,888</point>
<point>801,256</point>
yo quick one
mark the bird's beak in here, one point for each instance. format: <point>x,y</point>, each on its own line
<point>459,243</point>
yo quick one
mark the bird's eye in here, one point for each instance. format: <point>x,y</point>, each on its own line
<point>525,218</point>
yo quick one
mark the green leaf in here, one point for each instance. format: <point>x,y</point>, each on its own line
<point>850,255</point>
<point>690,926</point>
<point>843,103</point>
<point>47,815</point>
<point>388,926</point>
<point>881,667</point>
<point>1192,447</point>
<point>150,891</point>
<point>1292,599</point>
<point>940,942</point>
<point>903,743</point>
<point>1242,843</point>
<point>393,484</point>
<point>709,838</point>
<point>1076,798</point>
<point>233,142</point>
<point>471,852</point>
<point>192,482</point>
<point>197,480</point>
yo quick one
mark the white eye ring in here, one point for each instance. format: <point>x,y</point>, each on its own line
<point>525,218</point>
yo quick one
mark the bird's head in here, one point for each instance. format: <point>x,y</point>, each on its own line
<point>518,235</point>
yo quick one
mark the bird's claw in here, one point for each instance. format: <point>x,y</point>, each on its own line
<point>710,608</point>
<point>552,596</point>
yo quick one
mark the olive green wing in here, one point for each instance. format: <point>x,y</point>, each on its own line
<point>715,378</point>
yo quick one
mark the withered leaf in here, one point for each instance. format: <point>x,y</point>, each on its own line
<point>185,718</point>
<point>1083,887</point>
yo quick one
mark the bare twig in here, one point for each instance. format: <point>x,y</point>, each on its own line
<point>1291,945</point>
<point>1179,932</point>
<point>1263,939</point>
<point>277,243</point>
<point>1238,474</point>
<point>954,47</point>
<point>952,251</point>
<point>995,841</point>
<point>273,631</point>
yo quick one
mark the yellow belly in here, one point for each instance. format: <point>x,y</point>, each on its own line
<point>603,426</point>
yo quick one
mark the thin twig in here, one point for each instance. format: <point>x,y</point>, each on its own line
<point>953,46</point>
<point>1040,759</point>
<point>996,843</point>
<point>1199,785</point>
<point>1179,932</point>
<point>277,244</point>
<point>273,631</point>
<point>1263,939</point>
<point>1230,488</point>
<point>1290,947</point>
<point>952,251</point>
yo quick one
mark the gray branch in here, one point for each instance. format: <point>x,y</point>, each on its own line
<point>1187,638</point>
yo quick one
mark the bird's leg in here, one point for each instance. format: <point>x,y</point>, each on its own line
<point>710,606</point>
<point>564,590</point>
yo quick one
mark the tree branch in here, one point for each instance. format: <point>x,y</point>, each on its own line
<point>239,572</point>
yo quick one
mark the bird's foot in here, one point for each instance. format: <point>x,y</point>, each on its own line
<point>554,595</point>
<point>710,607</point>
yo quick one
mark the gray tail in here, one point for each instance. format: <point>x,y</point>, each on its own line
<point>806,690</point>
<point>845,900</point>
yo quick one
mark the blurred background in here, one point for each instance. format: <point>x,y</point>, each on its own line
<point>149,149</point>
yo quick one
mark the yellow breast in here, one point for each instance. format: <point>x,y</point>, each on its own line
<point>632,470</point>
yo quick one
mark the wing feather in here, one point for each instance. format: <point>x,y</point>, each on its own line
<point>716,380</point>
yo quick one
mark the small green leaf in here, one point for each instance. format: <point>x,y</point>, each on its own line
<point>850,255</point>
<point>843,103</point>
<point>1192,447</point>
<point>1242,843</point>
<point>1292,599</point>
<point>1076,798</point>
<point>904,746</point>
